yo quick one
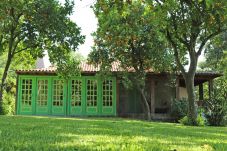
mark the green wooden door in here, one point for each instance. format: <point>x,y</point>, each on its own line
<point>75,96</point>
<point>109,97</point>
<point>42,103</point>
<point>59,90</point>
<point>26,95</point>
<point>91,96</point>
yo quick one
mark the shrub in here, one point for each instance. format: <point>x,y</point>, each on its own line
<point>216,106</point>
<point>8,103</point>
<point>179,108</point>
<point>200,121</point>
<point>215,111</point>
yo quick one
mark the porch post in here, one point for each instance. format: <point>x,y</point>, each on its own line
<point>152,97</point>
<point>210,88</point>
<point>177,88</point>
<point>200,92</point>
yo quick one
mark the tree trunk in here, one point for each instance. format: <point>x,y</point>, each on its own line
<point>148,111</point>
<point>3,80</point>
<point>192,114</point>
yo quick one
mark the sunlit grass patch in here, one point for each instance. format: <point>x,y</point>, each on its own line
<point>59,133</point>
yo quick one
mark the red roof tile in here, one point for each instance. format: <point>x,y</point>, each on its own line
<point>85,67</point>
<point>89,68</point>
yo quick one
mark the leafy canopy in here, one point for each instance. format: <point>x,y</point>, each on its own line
<point>127,34</point>
<point>38,25</point>
<point>190,25</point>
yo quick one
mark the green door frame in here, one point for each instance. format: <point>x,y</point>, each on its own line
<point>109,110</point>
<point>60,105</point>
<point>26,109</point>
<point>93,109</point>
<point>66,108</point>
<point>43,110</point>
<point>76,109</point>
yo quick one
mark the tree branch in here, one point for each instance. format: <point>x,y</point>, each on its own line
<point>176,55</point>
<point>15,46</point>
<point>198,53</point>
<point>174,22</point>
<point>25,49</point>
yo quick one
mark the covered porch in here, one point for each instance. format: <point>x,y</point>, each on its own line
<point>165,93</point>
<point>203,80</point>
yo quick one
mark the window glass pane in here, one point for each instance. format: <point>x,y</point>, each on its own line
<point>26,98</point>
<point>91,93</point>
<point>58,92</point>
<point>107,92</point>
<point>76,93</point>
<point>42,93</point>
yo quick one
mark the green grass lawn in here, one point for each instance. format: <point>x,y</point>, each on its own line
<point>51,133</point>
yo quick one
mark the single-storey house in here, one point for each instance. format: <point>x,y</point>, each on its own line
<point>42,92</point>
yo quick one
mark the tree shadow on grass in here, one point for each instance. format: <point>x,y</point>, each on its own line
<point>43,133</point>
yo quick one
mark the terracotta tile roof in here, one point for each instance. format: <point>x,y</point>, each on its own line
<point>85,67</point>
<point>89,68</point>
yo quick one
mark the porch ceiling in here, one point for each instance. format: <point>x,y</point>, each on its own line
<point>201,77</point>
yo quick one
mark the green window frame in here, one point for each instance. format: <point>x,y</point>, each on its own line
<point>75,96</point>
<point>76,93</point>
<point>51,95</point>
<point>26,96</point>
<point>26,91</point>
<point>42,92</point>
<point>92,93</point>
<point>92,100</point>
<point>43,95</point>
<point>107,93</point>
<point>58,93</point>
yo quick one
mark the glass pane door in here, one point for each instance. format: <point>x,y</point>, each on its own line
<point>91,97</point>
<point>26,96</point>
<point>58,97</point>
<point>107,97</point>
<point>75,97</point>
<point>42,96</point>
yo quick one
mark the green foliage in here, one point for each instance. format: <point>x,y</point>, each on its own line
<point>216,106</point>
<point>8,103</point>
<point>216,60</point>
<point>200,121</point>
<point>179,108</point>
<point>134,33</point>
<point>21,61</point>
<point>110,134</point>
<point>35,26</point>
<point>189,26</point>
<point>69,66</point>
<point>127,34</point>
<point>216,54</point>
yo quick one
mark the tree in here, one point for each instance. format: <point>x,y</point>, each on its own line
<point>216,60</point>
<point>20,61</point>
<point>189,25</point>
<point>126,34</point>
<point>34,26</point>
<point>216,54</point>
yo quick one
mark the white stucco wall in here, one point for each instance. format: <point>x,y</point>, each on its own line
<point>43,62</point>
<point>183,93</point>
